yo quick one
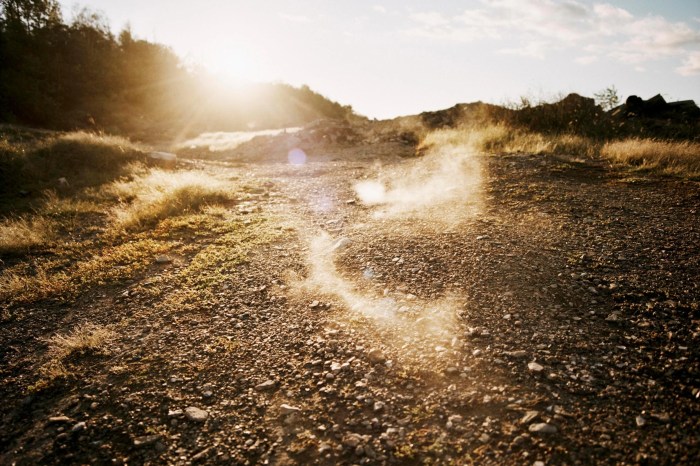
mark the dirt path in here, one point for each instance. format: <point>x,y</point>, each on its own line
<point>550,313</point>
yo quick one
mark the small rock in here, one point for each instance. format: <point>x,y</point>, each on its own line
<point>146,440</point>
<point>379,406</point>
<point>201,455</point>
<point>484,437</point>
<point>529,417</point>
<point>533,366</point>
<point>641,422</point>
<point>516,354</point>
<point>195,414</point>
<point>78,427</point>
<point>341,243</point>
<point>59,419</point>
<point>286,409</point>
<point>615,316</point>
<point>175,412</point>
<point>324,448</point>
<point>314,304</point>
<point>352,440</point>
<point>266,385</point>
<point>542,428</point>
<point>163,259</point>
<point>376,356</point>
<point>454,420</point>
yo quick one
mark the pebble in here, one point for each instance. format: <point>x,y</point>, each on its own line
<point>196,414</point>
<point>533,366</point>
<point>288,409</point>
<point>78,427</point>
<point>146,440</point>
<point>59,419</point>
<point>542,428</point>
<point>266,385</point>
<point>375,356</point>
<point>163,259</point>
<point>640,421</point>
<point>516,354</point>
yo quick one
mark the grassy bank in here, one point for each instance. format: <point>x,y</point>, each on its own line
<point>675,158</point>
<point>107,222</point>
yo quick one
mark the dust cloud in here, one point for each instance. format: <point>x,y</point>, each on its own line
<point>444,184</point>
<point>421,328</point>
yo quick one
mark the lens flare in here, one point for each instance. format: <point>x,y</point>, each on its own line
<point>296,156</point>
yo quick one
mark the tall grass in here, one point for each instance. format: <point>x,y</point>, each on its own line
<point>667,157</point>
<point>18,236</point>
<point>503,139</point>
<point>157,195</point>
<point>35,163</point>
<point>675,158</point>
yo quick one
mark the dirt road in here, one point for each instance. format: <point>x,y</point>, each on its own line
<point>518,310</point>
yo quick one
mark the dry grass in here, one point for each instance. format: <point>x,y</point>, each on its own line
<point>84,339</point>
<point>502,139</point>
<point>668,157</point>
<point>157,195</point>
<point>674,158</point>
<point>21,235</point>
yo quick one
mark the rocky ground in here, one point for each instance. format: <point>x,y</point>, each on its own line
<point>549,316</point>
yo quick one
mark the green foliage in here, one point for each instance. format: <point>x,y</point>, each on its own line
<point>607,98</point>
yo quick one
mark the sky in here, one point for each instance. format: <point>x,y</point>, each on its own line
<point>388,58</point>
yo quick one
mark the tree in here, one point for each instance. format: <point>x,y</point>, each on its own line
<point>30,14</point>
<point>607,98</point>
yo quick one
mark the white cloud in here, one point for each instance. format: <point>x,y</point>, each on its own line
<point>586,59</point>
<point>543,26</point>
<point>295,18</point>
<point>379,8</point>
<point>691,65</point>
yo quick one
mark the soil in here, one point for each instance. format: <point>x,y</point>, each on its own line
<point>563,322</point>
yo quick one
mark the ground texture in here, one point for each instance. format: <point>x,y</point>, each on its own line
<point>550,316</point>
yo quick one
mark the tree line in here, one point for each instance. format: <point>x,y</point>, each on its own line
<point>78,74</point>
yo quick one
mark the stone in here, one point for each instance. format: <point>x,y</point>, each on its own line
<point>529,417</point>
<point>59,419</point>
<point>641,422</point>
<point>162,259</point>
<point>78,427</point>
<point>286,409</point>
<point>542,428</point>
<point>376,356</point>
<point>266,386</point>
<point>196,414</point>
<point>146,440</point>
<point>516,354</point>
<point>533,366</point>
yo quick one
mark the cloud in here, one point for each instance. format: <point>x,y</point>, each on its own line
<point>295,18</point>
<point>541,27</point>
<point>691,65</point>
<point>586,59</point>
<point>379,8</point>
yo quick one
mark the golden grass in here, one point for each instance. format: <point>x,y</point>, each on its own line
<point>674,158</point>
<point>22,284</point>
<point>502,139</point>
<point>157,195</point>
<point>86,338</point>
<point>668,157</point>
<point>82,339</point>
<point>22,235</point>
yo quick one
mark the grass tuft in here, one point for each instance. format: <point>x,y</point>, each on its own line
<point>20,236</point>
<point>157,195</point>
